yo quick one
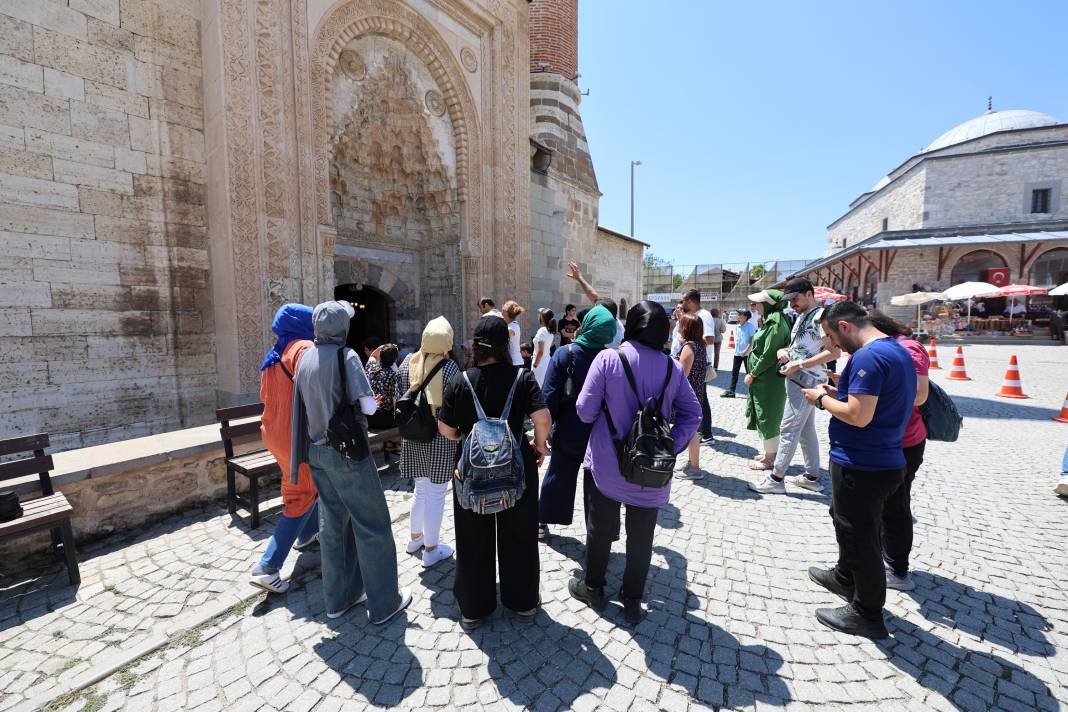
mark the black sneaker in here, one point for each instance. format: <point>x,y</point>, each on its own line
<point>592,597</point>
<point>632,610</point>
<point>827,579</point>
<point>727,394</point>
<point>848,620</point>
<point>707,439</point>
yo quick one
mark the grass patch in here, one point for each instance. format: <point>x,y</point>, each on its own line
<point>58,634</point>
<point>127,679</point>
<point>204,566</point>
<point>73,662</point>
<point>239,609</point>
<point>188,639</point>
<point>111,589</point>
<point>94,702</point>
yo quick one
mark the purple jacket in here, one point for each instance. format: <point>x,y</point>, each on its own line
<point>607,381</point>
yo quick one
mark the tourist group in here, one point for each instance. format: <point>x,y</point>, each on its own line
<point>615,393</point>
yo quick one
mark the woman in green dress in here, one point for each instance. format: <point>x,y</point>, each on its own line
<point>767,389</point>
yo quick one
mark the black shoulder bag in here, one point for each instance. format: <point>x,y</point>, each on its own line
<point>415,420</point>
<point>347,429</point>
<point>646,453</point>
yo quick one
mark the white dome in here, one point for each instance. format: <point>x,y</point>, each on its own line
<point>992,122</point>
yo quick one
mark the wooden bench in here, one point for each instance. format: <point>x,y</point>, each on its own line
<point>260,463</point>
<point>49,511</point>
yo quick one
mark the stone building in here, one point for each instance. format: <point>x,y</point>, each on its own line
<point>171,171</point>
<point>985,201</point>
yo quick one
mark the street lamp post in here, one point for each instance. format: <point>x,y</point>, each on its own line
<point>632,164</point>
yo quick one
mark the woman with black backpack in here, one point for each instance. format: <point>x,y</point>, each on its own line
<point>502,534</point>
<point>630,395</point>
<point>563,382</point>
<point>429,462</point>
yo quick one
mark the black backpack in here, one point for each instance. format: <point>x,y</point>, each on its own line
<point>940,415</point>
<point>647,453</point>
<point>347,430</point>
<point>415,420</point>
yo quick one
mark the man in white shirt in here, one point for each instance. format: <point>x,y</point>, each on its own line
<point>691,304</point>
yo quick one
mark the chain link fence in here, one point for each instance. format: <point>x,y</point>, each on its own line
<point>722,286</point>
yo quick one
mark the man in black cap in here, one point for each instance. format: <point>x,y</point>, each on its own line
<point>801,363</point>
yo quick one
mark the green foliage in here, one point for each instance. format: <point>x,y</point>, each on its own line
<point>756,272</point>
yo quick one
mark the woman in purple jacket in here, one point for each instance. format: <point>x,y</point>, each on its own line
<point>645,333</point>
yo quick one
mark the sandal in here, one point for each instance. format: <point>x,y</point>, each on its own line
<point>760,466</point>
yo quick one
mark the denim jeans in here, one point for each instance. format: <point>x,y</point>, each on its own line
<point>355,535</point>
<point>289,529</point>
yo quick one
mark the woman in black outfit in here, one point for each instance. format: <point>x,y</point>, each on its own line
<point>506,540</point>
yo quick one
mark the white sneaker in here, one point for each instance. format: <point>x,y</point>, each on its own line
<point>768,485</point>
<point>406,598</point>
<point>414,545</point>
<point>272,581</point>
<point>343,611</point>
<point>440,552</point>
<point>689,473</point>
<point>804,482</point>
<point>899,583</point>
<point>1062,487</point>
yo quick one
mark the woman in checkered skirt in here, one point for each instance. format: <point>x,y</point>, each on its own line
<point>430,464</point>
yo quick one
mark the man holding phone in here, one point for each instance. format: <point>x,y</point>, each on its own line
<point>801,362</point>
<point>869,411</point>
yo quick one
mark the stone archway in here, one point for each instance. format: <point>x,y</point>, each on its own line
<point>353,19</point>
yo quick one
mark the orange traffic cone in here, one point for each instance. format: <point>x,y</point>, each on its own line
<point>956,371</point>
<point>731,344</point>
<point>1011,387</point>
<point>1063,417</point>
<point>934,355</point>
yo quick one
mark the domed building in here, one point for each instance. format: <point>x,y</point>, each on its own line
<point>985,201</point>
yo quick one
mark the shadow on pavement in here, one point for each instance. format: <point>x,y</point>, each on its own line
<point>984,616</point>
<point>999,409</point>
<point>968,679</point>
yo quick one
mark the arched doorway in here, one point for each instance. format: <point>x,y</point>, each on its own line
<point>871,286</point>
<point>1051,270</point>
<point>975,267</point>
<point>374,311</point>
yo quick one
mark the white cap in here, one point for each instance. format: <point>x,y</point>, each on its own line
<point>761,296</point>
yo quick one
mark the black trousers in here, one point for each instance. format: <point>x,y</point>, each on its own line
<point>858,498</point>
<point>739,361</point>
<point>897,514</point>
<point>507,541</point>
<point>602,525</point>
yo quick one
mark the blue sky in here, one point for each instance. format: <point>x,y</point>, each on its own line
<point>758,124</point>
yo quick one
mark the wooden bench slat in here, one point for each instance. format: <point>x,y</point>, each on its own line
<point>230,432</point>
<point>26,443</point>
<point>238,412</point>
<point>28,466</point>
<point>54,508</point>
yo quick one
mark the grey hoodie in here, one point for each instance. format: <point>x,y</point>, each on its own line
<point>317,382</point>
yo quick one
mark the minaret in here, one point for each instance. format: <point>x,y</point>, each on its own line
<point>554,93</point>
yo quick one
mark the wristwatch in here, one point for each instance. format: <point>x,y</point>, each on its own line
<point>819,401</point>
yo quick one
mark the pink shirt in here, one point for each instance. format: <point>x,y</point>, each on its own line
<point>915,431</point>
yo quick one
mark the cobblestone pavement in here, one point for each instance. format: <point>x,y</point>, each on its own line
<point>730,620</point>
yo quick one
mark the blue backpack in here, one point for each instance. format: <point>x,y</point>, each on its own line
<point>490,472</point>
<point>940,415</point>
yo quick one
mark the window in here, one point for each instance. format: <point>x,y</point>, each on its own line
<point>1040,200</point>
<point>886,223</point>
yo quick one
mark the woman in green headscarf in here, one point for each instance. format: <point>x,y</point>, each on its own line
<point>767,389</point>
<point>569,434</point>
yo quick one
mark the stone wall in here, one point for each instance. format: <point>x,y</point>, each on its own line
<point>619,267</point>
<point>994,188</point>
<point>900,203</point>
<point>105,307</point>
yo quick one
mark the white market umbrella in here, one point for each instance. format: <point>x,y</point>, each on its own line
<point>1059,291</point>
<point>969,291</point>
<point>917,298</point>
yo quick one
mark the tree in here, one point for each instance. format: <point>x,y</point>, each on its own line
<point>756,272</point>
<point>676,282</point>
<point>650,261</point>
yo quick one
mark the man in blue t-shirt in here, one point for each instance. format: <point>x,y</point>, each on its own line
<point>869,409</point>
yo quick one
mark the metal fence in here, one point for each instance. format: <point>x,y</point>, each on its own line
<point>725,286</point>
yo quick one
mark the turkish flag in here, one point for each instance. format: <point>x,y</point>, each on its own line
<point>998,276</point>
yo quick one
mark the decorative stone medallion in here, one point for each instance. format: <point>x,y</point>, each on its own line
<point>435,103</point>
<point>468,59</point>
<point>353,65</point>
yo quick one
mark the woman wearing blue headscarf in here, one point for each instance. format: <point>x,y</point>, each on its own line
<point>299,524</point>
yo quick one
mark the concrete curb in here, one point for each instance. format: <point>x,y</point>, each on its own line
<point>161,636</point>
